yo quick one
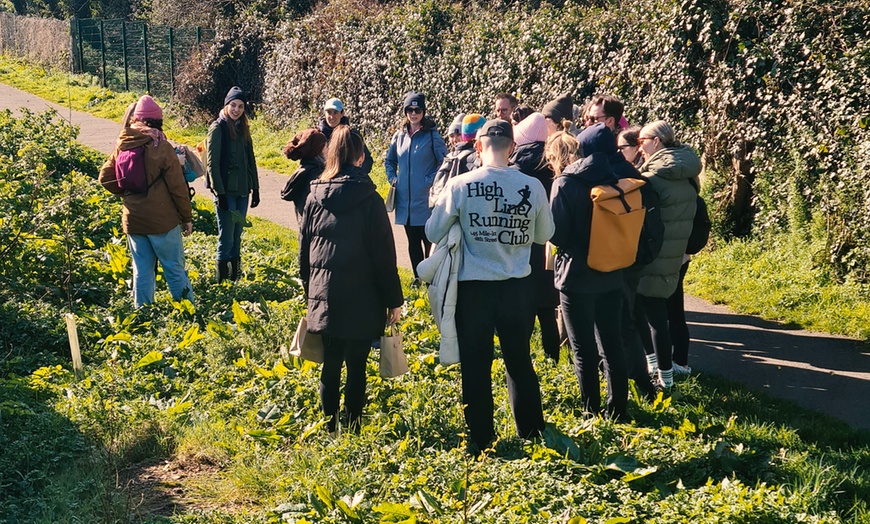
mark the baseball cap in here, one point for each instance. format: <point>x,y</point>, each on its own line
<point>335,104</point>
<point>496,128</point>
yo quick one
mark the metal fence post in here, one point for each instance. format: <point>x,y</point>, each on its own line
<point>81,47</point>
<point>102,53</point>
<point>171,65</point>
<point>145,52</point>
<point>124,52</point>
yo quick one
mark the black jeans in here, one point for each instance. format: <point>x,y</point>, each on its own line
<point>677,321</point>
<point>652,316</point>
<point>418,245</point>
<point>337,351</point>
<point>482,309</point>
<point>583,313</point>
<point>632,345</point>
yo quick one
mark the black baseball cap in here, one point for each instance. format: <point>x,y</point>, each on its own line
<point>496,128</point>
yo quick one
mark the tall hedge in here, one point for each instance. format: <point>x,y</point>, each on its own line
<point>772,92</point>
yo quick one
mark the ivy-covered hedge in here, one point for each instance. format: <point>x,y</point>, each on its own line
<point>772,92</point>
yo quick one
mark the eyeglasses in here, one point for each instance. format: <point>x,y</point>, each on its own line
<point>595,119</point>
<point>415,110</point>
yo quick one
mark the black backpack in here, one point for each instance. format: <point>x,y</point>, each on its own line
<point>652,234</point>
<point>701,226</point>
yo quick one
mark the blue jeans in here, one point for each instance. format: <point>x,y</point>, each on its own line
<point>229,231</point>
<point>146,250</point>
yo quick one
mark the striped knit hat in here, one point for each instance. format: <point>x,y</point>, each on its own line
<point>471,124</point>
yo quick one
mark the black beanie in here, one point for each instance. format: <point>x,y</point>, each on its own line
<point>235,93</point>
<point>562,108</point>
<point>413,99</point>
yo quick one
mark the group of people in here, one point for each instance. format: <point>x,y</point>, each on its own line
<point>514,188</point>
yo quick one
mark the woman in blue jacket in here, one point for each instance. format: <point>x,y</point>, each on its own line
<point>416,152</point>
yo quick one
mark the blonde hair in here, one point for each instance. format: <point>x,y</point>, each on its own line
<point>663,131</point>
<point>345,147</point>
<point>562,149</point>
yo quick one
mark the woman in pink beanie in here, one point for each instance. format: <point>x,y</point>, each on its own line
<point>530,137</point>
<point>156,216</point>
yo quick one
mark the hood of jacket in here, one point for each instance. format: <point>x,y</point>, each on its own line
<point>597,139</point>
<point>343,192</point>
<point>592,170</point>
<point>674,163</point>
<point>131,138</point>
<point>529,158</point>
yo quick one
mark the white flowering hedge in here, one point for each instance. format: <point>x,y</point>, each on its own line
<point>782,85</point>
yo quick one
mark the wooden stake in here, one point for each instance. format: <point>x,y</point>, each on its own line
<point>74,345</point>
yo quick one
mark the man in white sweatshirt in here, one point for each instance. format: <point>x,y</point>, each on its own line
<point>501,213</point>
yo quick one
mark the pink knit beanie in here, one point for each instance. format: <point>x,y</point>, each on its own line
<point>532,128</point>
<point>146,107</point>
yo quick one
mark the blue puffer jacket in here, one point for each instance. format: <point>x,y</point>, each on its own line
<point>411,164</point>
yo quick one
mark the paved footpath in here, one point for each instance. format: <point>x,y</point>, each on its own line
<point>825,373</point>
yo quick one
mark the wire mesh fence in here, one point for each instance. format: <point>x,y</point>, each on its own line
<point>133,56</point>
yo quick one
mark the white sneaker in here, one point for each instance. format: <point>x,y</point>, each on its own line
<point>681,370</point>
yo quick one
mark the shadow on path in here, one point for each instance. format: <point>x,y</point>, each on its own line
<point>826,373</point>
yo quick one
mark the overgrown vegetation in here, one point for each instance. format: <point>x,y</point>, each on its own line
<point>214,395</point>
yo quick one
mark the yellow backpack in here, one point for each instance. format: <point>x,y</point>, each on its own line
<point>617,219</point>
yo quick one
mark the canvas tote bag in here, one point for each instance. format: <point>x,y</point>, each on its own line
<point>307,346</point>
<point>392,362</point>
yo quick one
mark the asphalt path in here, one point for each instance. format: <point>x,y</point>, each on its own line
<point>826,373</point>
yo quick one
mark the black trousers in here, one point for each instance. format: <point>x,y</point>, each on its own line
<point>632,345</point>
<point>337,351</point>
<point>677,321</point>
<point>418,245</point>
<point>549,331</point>
<point>583,313</point>
<point>652,323</point>
<point>505,307</point>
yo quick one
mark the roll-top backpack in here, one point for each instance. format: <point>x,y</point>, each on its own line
<point>617,219</point>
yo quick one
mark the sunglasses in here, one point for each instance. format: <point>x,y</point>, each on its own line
<point>415,110</point>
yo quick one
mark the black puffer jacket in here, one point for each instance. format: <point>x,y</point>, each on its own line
<point>529,158</point>
<point>572,213</point>
<point>347,257</point>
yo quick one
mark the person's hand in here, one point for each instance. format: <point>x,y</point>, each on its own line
<point>186,228</point>
<point>255,198</point>
<point>393,315</point>
<point>222,203</point>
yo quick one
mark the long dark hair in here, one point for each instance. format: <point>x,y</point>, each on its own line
<point>345,147</point>
<point>243,125</point>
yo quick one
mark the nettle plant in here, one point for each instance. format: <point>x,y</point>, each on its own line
<point>772,94</point>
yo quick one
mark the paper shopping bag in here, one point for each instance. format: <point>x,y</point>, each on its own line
<point>307,346</point>
<point>392,362</point>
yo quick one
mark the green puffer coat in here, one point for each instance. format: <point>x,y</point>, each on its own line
<point>668,171</point>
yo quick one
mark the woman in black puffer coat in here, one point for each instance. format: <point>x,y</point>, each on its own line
<point>347,263</point>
